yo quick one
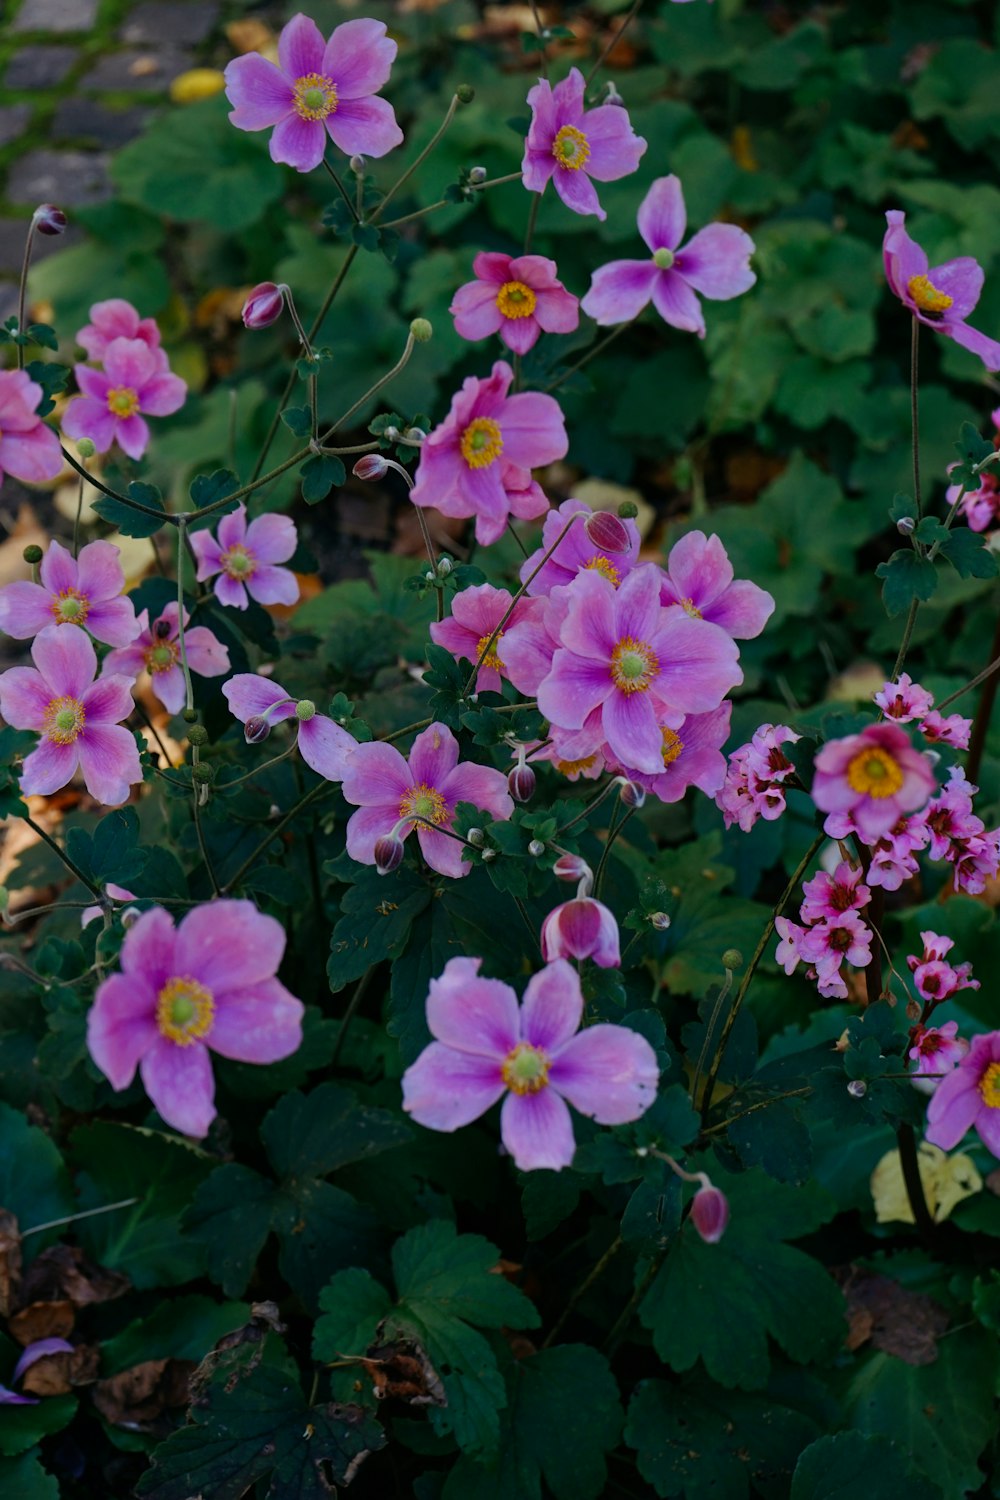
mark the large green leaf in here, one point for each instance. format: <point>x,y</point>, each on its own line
<point>848,1464</point>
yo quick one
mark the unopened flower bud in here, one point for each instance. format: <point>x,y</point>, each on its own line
<point>33,554</point>
<point>85,448</point>
<point>420,330</point>
<point>190,715</point>
<point>660,920</point>
<point>521,783</point>
<point>414,435</point>
<point>370,466</point>
<point>570,867</point>
<point>606,532</point>
<point>256,729</point>
<point>444,566</point>
<point>388,853</point>
<point>264,305</point>
<point>732,959</point>
<point>357,165</point>
<point>392,434</point>
<point>203,773</point>
<point>489,854</point>
<point>857,1088</point>
<point>198,734</point>
<point>476,837</point>
<point>612,95</point>
<point>477,175</point>
<point>710,1213</point>
<point>536,847</point>
<point>49,219</point>
<point>161,629</point>
<point>632,794</point>
<point>906,525</point>
<point>465,93</point>
<point>305,710</point>
<point>628,510</point>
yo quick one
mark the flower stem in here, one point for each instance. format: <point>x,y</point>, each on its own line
<point>331,173</point>
<point>404,179</point>
<point>910,1163</point>
<point>350,1013</point>
<point>585,359</point>
<point>613,833</point>
<point>23,287</point>
<point>87,1213</point>
<point>984,711</point>
<point>585,1285</point>
<point>384,380</point>
<point>70,864</point>
<point>915,410</point>
<point>616,38</point>
<point>279,827</point>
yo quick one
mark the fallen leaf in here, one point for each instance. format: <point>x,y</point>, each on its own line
<point>63,1273</point>
<point>42,1320</point>
<point>898,1321</point>
<point>402,1370</point>
<point>138,1397</point>
<point>10,1262</point>
<point>55,1374</point>
<point>946,1181</point>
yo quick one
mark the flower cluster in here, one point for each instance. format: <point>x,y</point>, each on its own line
<point>906,702</point>
<point>833,932</point>
<point>757,777</point>
<point>136,381</point>
<point>981,507</point>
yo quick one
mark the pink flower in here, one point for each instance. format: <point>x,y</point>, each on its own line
<point>710,1213</point>
<point>699,580</point>
<point>134,380</point>
<point>244,556</point>
<point>828,943</point>
<point>789,952</point>
<point>486,1046</point>
<point>207,985</point>
<point>117,319</point>
<point>981,507</point>
<point>393,794</point>
<point>894,854</point>
<point>478,462</point>
<point>875,776</point>
<point>948,821</point>
<point>828,896</point>
<point>318,89</point>
<point>157,651</point>
<point>692,756</point>
<point>28,449</point>
<point>949,729</point>
<point>937,1049</point>
<point>590,767</point>
<point>77,718</point>
<point>475,614</point>
<point>755,778</point>
<point>73,591</point>
<point>969,1098</point>
<point>716,263</point>
<point>936,979</point>
<point>943,297</point>
<point>904,700</point>
<point>323,744</point>
<point>518,297</point>
<point>631,665</point>
<point>578,549</point>
<point>117,893</point>
<point>571,145</point>
<point>580,929</point>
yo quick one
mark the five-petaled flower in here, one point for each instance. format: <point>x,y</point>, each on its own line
<point>875,776</point>
<point>969,1098</point>
<point>84,590</point>
<point>156,650</point>
<point>28,448</point>
<point>134,384</point>
<point>245,556</point>
<point>475,614</point>
<point>517,297</point>
<point>571,144</point>
<point>940,296</point>
<point>323,744</point>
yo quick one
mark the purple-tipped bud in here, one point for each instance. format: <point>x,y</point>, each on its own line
<point>49,219</point>
<point>583,928</point>
<point>607,533</point>
<point>535,848</point>
<point>264,305</point>
<point>388,853</point>
<point>632,794</point>
<point>161,629</point>
<point>660,920</point>
<point>521,783</point>
<point>570,867</point>
<point>256,729</point>
<point>370,466</point>
<point>477,175</point>
<point>710,1214</point>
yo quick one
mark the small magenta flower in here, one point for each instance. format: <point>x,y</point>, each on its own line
<point>264,305</point>
<point>710,1212</point>
<point>29,450</point>
<point>518,297</point>
<point>715,262</point>
<point>156,650</point>
<point>394,796</point>
<point>827,896</point>
<point>935,978</point>
<point>580,929</point>
<point>475,614</point>
<point>904,700</point>
<point>699,579</point>
<point>571,144</point>
<point>941,297</point>
<point>969,1098</point>
<point>875,776</point>
<point>580,548</point>
<point>83,591</point>
<point>318,90</point>
<point>245,557</point>
<point>323,743</point>
<point>117,319</point>
<point>478,462</point>
<point>486,1047</point>
<point>756,777</point>
<point>134,384</point>
<point>77,718</point>
<point>208,985</point>
<point>936,1049</point>
<point>946,729</point>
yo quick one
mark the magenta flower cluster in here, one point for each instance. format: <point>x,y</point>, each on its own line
<point>135,382</point>
<point>833,933</point>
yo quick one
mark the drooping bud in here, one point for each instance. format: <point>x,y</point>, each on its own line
<point>370,466</point>
<point>660,920</point>
<point>161,629</point>
<point>570,867</point>
<point>583,928</point>
<point>611,95</point>
<point>444,566</point>
<point>256,729</point>
<point>357,165</point>
<point>488,855</point>
<point>264,305</point>
<point>198,734</point>
<point>521,783</point>
<point>389,853</point>
<point>85,448</point>
<point>632,794</point>
<point>33,554</point>
<point>49,219</point>
<point>477,175</point>
<point>710,1213</point>
<point>607,532</point>
<point>732,959</point>
<point>305,710</point>
<point>535,848</point>
<point>476,837</point>
<point>414,436</point>
<point>420,330</point>
<point>465,93</point>
<point>857,1088</point>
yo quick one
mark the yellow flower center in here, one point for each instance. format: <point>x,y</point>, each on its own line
<point>161,657</point>
<point>633,665</point>
<point>927,297</point>
<point>874,772</point>
<point>571,148</point>
<point>70,607</point>
<point>690,608</point>
<point>574,767</point>
<point>63,720</point>
<point>123,401</point>
<point>492,657</point>
<point>425,804</point>
<point>672,745</point>
<point>515,300</point>
<point>315,97</point>
<point>606,568</point>
<point>989,1086</point>
<point>482,443</point>
<point>237,562</point>
<point>526,1069</point>
<point>184,1010</point>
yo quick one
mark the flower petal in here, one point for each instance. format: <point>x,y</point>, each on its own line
<point>259,91</point>
<point>359,57</point>
<point>364,127</point>
<point>66,659</point>
<point>301,48</point>
<point>472,1014</point>
<point>179,1081</point>
<point>716,262</point>
<point>677,304</point>
<point>552,1008</point>
<point>228,945</point>
<point>261,1024</point>
<point>537,1131</point>
<point>271,538</point>
<point>433,756</point>
<point>326,747</point>
<point>607,1072</point>
<point>121,1026</point>
<point>620,290</point>
<point>298,143</point>
<point>444,1089</point>
<point>662,215</point>
<point>109,761</point>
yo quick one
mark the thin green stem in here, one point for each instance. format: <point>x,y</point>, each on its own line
<point>383,380</point>
<point>979,677</point>
<point>614,833</point>
<point>613,43</point>
<point>915,411</point>
<point>595,1271</point>
<point>145,510</point>
<point>14,918</point>
<point>87,1213</point>
<point>543,61</point>
<point>529,233</point>
<point>432,208</point>
<point>420,159</point>
<point>23,287</point>
<point>225,786</point>
<point>70,864</point>
<point>349,1014</point>
<point>904,645</point>
<point>76,519</point>
<point>586,358</point>
<point>331,173</point>
<point>279,828</point>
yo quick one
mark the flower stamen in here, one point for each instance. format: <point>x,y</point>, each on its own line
<point>875,773</point>
<point>424,804</point>
<point>525,1070</point>
<point>989,1086</point>
<point>634,665</point>
<point>571,148</point>
<point>672,745</point>
<point>123,401</point>
<point>927,297</point>
<point>185,1010</point>
<point>70,607</point>
<point>492,657</point>
<point>516,300</point>
<point>482,443</point>
<point>315,97</point>
<point>161,657</point>
<point>238,563</point>
<point>63,720</point>
<point>605,567</point>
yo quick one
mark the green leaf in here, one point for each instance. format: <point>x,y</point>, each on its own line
<point>376,915</point>
<point>207,489</point>
<point>774,1138</point>
<point>297,419</point>
<point>309,1135</point>
<point>111,852</point>
<point>231,1216</point>
<point>968,553</point>
<point>905,577</point>
<point>34,1184</point>
<point>848,1464</point>
<point>25,1479</point>
<point>353,1306</point>
<point>321,474</point>
<point>179,1328</point>
<point>131,522</point>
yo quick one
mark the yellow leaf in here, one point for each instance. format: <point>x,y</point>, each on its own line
<point>946,1181</point>
<point>195,84</point>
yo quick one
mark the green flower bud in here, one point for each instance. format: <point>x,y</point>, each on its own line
<point>465,93</point>
<point>305,710</point>
<point>198,734</point>
<point>85,448</point>
<point>203,773</point>
<point>33,555</point>
<point>420,330</point>
<point>190,715</point>
<point>628,510</point>
<point>732,959</point>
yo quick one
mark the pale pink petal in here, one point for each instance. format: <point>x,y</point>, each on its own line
<point>364,127</point>
<point>232,528</point>
<point>130,363</point>
<point>366,827</point>
<point>205,652</point>
<point>434,754</point>
<point>472,1014</point>
<point>108,700</point>
<point>662,215</point>
<point>326,747</point>
<point>59,570</point>
<point>231,592</point>
<point>553,1007</point>
<point>359,57</point>
<point>24,697</point>
<point>953,1109</point>
<point>742,611</point>
<point>148,950</point>
<point>591,627</point>
<point>301,47</point>
<point>33,456</point>
<point>377,776</point>
<point>260,1024</point>
<point>475,310</point>
<point>677,304</point>
<point>109,762</point>
<point>64,656</point>
<point>260,92</point>
<point>986,349</point>
<point>170,688</point>
<point>902,256</point>
<point>716,262</point>
<point>632,731</point>
<point>163,395</point>
<point>49,768</point>
<point>113,621</point>
<point>481,785</point>
<point>270,585</point>
<point>250,695</point>
<point>578,192</point>
<point>519,334</point>
<point>444,1090</point>
<point>208,553</point>
<point>269,538</point>
<point>573,688</point>
<point>121,1026</point>
<point>557,311</point>
<point>179,1082</point>
<point>93,382</point>
<point>620,290</point>
<point>537,1131</point>
<point>25,609</point>
<point>299,143</point>
<point>442,853</point>
<point>228,945</point>
<point>615,149</point>
<point>607,1072</point>
<point>89,418</point>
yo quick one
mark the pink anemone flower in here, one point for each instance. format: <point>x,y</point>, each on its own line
<point>572,145</point>
<point>84,590</point>
<point>875,776</point>
<point>475,614</point>
<point>517,297</point>
<point>692,756</point>
<point>486,1046</point>
<point>715,262</point>
<point>157,651</point>
<point>134,384</point>
<point>580,548</point>
<point>116,319</point>
<point>323,744</point>
<point>29,450</point>
<point>478,462</point>
<point>969,1098</point>
<point>318,90</point>
<point>942,296</point>
<point>394,796</point>
<point>208,985</point>
<point>77,718</point>
<point>582,928</point>
<point>244,557</point>
<point>699,579</point>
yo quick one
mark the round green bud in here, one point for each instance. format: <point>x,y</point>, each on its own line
<point>198,734</point>
<point>85,448</point>
<point>305,710</point>
<point>32,555</point>
<point>190,715</point>
<point>628,510</point>
<point>203,773</point>
<point>420,330</point>
<point>465,93</point>
<point>732,959</point>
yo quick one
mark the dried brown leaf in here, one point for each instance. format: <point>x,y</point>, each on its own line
<point>138,1397</point>
<point>63,1273</point>
<point>55,1374</point>
<point>10,1262</point>
<point>42,1320</point>
<point>898,1321</point>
